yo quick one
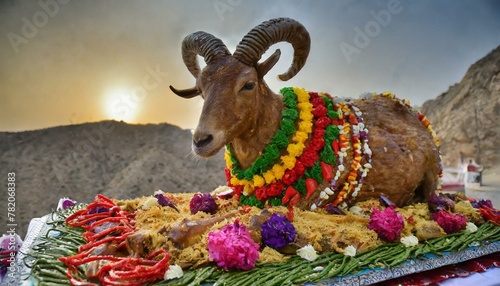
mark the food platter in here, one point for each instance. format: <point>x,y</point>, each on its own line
<point>39,228</point>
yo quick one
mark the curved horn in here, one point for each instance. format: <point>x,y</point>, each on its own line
<point>185,93</point>
<point>259,39</point>
<point>205,45</point>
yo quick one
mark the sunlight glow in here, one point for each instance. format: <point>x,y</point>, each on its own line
<point>119,105</point>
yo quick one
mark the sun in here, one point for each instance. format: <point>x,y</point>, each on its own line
<point>119,105</point>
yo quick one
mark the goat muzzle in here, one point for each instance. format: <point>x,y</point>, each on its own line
<point>202,140</point>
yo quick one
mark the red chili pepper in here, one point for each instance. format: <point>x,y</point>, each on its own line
<point>79,219</point>
<point>290,214</point>
<point>102,199</point>
<point>134,270</point>
<point>490,215</point>
<point>294,200</point>
<point>68,259</point>
<point>352,119</point>
<point>311,186</point>
<point>336,146</point>
<point>327,171</point>
<point>83,260</point>
<point>246,209</point>
<point>289,193</point>
<point>69,273</point>
<point>237,191</point>
<point>93,244</point>
<point>118,219</point>
<point>411,219</point>
<point>116,270</point>
<point>90,236</point>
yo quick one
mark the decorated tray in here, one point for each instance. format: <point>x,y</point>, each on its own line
<point>49,239</point>
<point>39,228</point>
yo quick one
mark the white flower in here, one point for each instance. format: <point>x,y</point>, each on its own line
<point>318,268</point>
<point>159,192</point>
<point>471,227</point>
<point>307,252</point>
<point>150,202</point>
<point>356,210</point>
<point>174,271</point>
<point>313,207</point>
<point>329,191</point>
<point>409,241</point>
<point>474,244</point>
<point>350,251</point>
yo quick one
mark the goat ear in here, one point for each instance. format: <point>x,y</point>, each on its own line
<point>185,93</point>
<point>265,66</point>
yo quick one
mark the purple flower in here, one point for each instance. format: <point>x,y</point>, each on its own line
<point>387,223</point>
<point>231,247</point>
<point>331,209</point>
<point>440,202</point>
<point>203,203</point>
<point>164,201</point>
<point>480,203</point>
<point>9,246</point>
<point>386,202</point>
<point>277,231</point>
<point>65,203</point>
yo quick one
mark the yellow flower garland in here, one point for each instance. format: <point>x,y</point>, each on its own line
<point>294,149</point>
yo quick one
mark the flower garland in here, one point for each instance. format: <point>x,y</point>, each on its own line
<point>296,106</point>
<point>303,168</point>
<point>359,142</point>
<point>321,133</point>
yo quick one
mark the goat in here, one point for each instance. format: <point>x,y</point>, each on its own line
<point>301,148</point>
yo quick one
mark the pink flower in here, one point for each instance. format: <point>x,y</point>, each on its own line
<point>450,222</point>
<point>387,223</point>
<point>232,247</point>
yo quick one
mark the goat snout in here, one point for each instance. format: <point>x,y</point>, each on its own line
<point>201,140</point>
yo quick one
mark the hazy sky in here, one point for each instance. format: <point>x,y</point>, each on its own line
<point>64,62</point>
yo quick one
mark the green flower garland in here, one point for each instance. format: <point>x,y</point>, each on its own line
<point>280,140</point>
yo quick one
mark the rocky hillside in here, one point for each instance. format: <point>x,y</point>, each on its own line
<point>467,116</point>
<point>109,157</point>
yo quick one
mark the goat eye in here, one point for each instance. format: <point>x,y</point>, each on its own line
<point>248,86</point>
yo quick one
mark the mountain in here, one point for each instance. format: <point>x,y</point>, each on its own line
<point>466,118</point>
<point>116,159</point>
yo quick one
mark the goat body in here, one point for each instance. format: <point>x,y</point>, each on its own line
<point>243,113</point>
